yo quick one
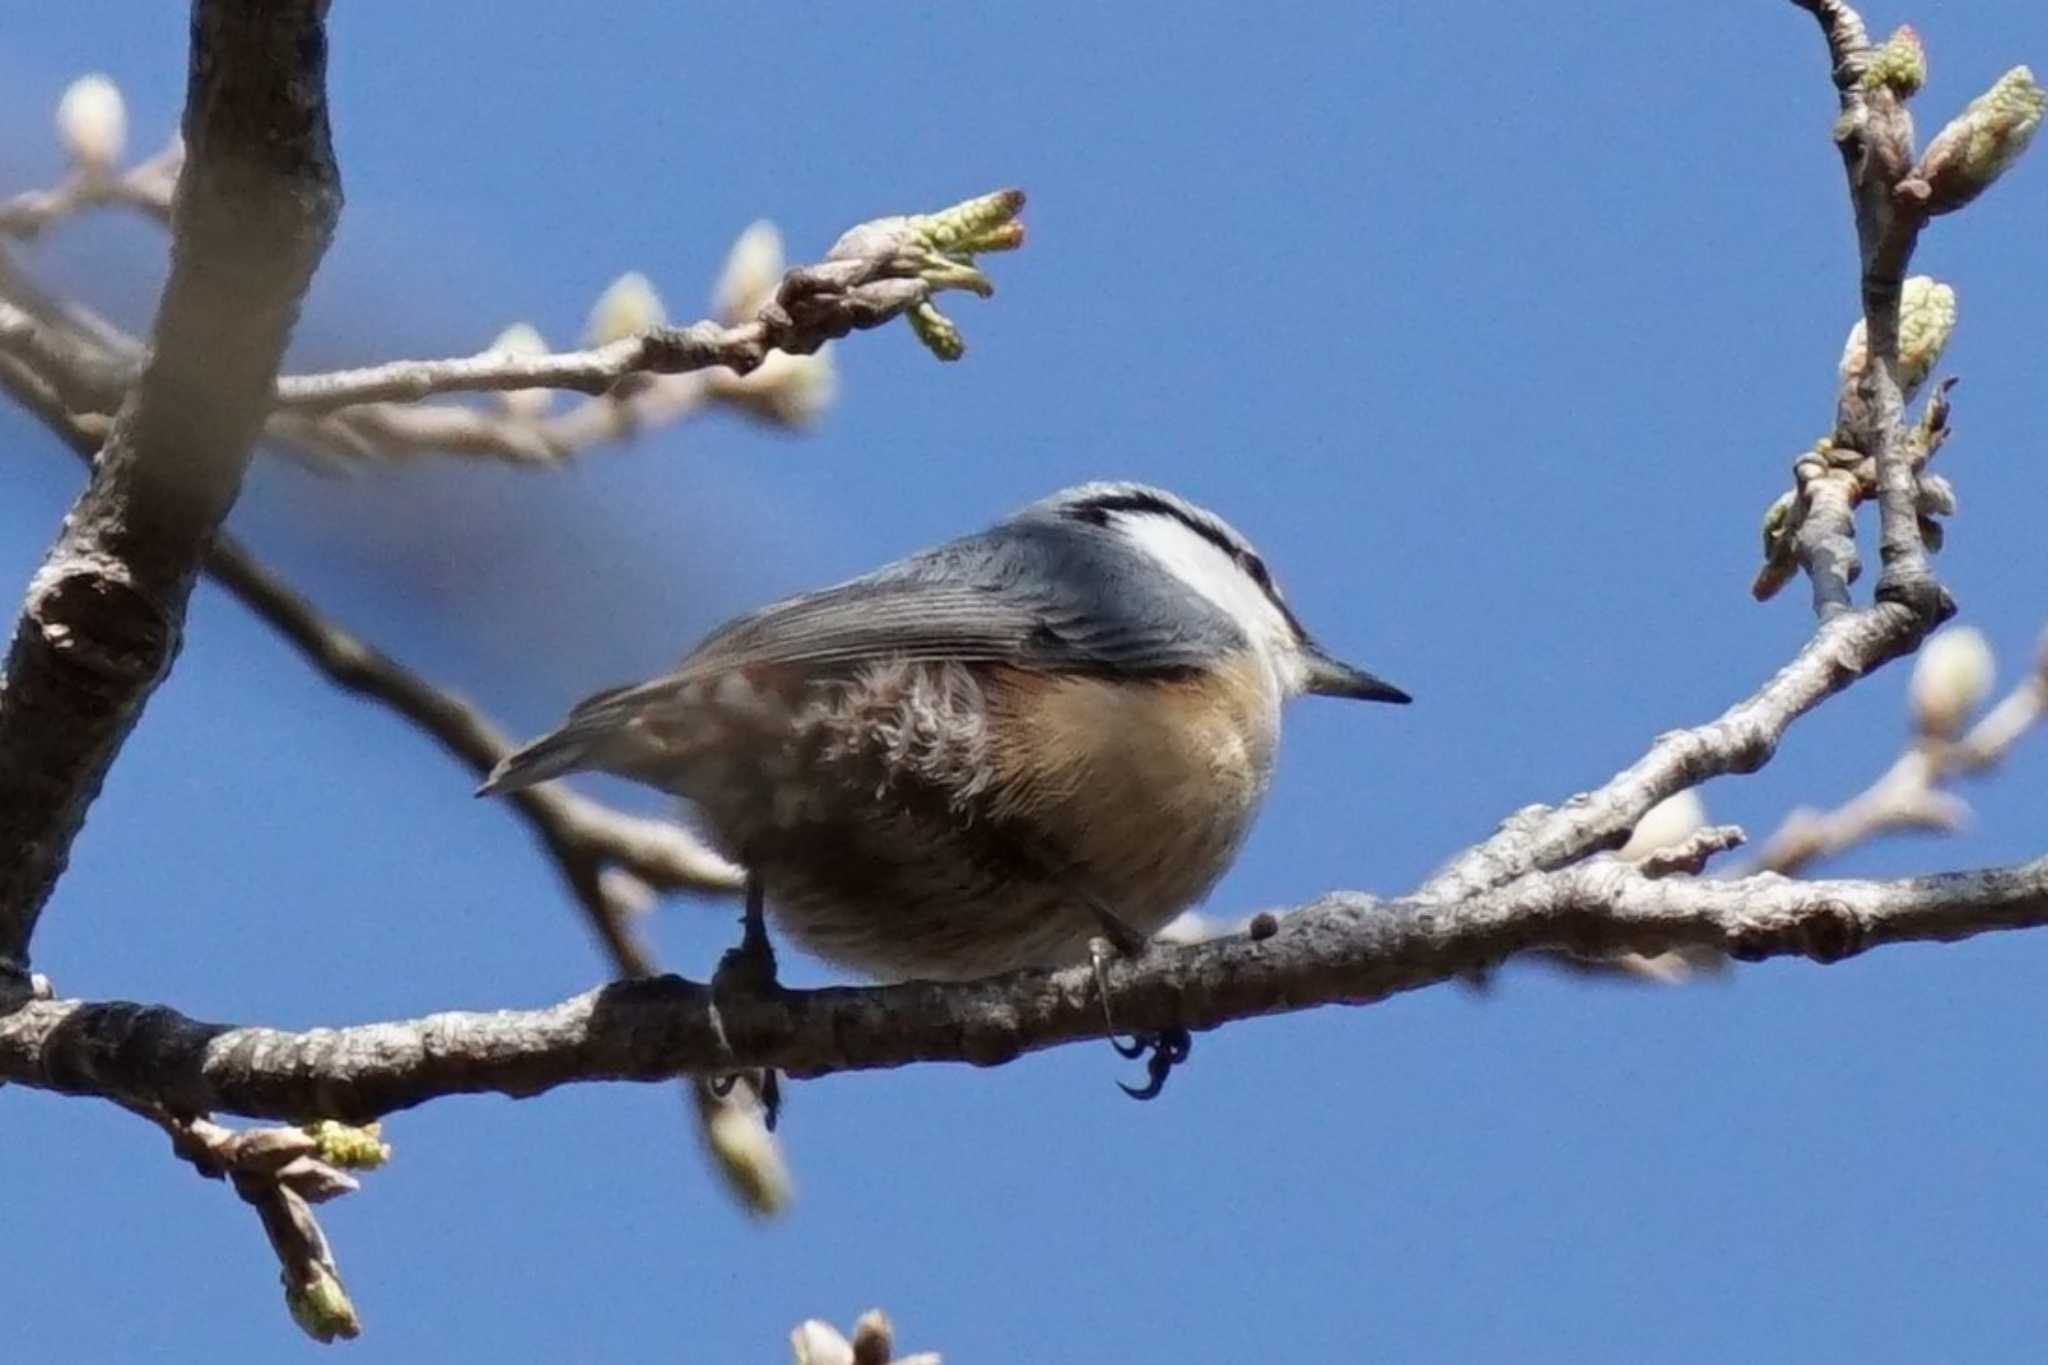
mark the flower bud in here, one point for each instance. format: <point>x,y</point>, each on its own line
<point>1899,66</point>
<point>745,1150</point>
<point>522,338</point>
<point>874,1338</point>
<point>628,306</point>
<point>357,1148</point>
<point>269,1149</point>
<point>936,331</point>
<point>753,270</point>
<point>1927,318</point>
<point>819,1343</point>
<point>1980,144</point>
<point>92,123</point>
<point>316,1182</point>
<point>787,390</point>
<point>1951,678</point>
<point>321,1307</point>
<point>1671,821</point>
<point>984,223</point>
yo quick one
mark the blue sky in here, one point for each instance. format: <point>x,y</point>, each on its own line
<point>1495,330</point>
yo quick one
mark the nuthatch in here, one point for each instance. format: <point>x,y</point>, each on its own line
<point>982,756</point>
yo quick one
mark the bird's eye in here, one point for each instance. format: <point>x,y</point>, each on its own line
<point>1256,567</point>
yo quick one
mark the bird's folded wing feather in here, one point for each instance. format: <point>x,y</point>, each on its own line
<point>861,622</point>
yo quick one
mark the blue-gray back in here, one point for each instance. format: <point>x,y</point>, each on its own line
<point>1040,590</point>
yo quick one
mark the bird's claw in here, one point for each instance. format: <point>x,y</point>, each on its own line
<point>1169,1048</point>
<point>1163,1050</point>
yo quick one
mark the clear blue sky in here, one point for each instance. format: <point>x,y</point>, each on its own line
<point>1495,326</point>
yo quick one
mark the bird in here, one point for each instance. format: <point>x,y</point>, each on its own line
<point>988,755</point>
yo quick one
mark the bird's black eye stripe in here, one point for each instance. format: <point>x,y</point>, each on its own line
<point>1256,567</point>
<point>1092,513</point>
<point>1096,512</point>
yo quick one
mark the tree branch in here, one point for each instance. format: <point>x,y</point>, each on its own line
<point>1814,526</point>
<point>584,835</point>
<point>1909,794</point>
<point>1740,740</point>
<point>1344,949</point>
<point>254,211</point>
<point>147,187</point>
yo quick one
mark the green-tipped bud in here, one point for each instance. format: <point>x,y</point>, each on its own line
<point>753,270</point>
<point>936,331</point>
<point>92,123</point>
<point>1951,678</point>
<point>628,306</point>
<point>1899,66</point>
<point>936,250</point>
<point>321,1308</point>
<point>986,223</point>
<point>522,338</point>
<point>1777,520</point>
<point>1927,318</point>
<point>1779,564</point>
<point>352,1148</point>
<point>1980,144</point>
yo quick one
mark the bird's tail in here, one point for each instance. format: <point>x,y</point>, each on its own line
<point>584,741</point>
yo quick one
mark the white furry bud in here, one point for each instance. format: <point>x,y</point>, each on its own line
<point>92,123</point>
<point>737,1133</point>
<point>1927,318</point>
<point>753,270</point>
<point>819,1343</point>
<point>1951,678</point>
<point>787,390</point>
<point>1671,821</point>
<point>522,338</point>
<point>628,306</point>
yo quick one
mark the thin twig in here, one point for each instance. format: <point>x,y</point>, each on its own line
<point>146,187</point>
<point>1740,740</point>
<point>1908,795</point>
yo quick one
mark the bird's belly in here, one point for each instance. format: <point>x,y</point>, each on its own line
<point>945,824</point>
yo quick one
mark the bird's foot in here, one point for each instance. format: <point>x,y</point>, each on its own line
<point>1163,1049</point>
<point>748,969</point>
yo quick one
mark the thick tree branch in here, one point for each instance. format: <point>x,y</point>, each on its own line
<point>1344,949</point>
<point>584,835</point>
<point>255,207</point>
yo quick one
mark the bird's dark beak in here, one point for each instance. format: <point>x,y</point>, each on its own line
<point>1328,677</point>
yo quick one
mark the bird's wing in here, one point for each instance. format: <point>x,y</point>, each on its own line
<point>1036,596</point>
<point>917,621</point>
